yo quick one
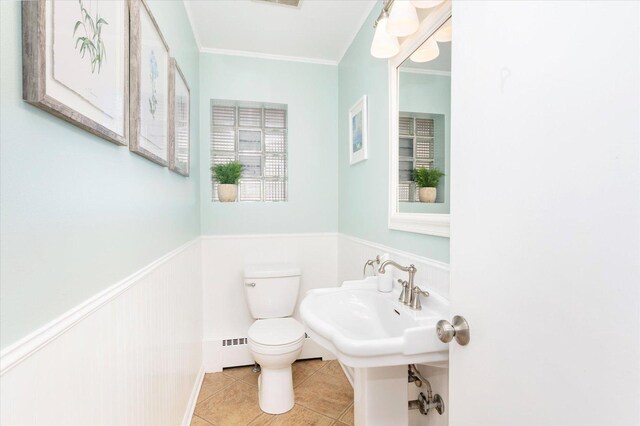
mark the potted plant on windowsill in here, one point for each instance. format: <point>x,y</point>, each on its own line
<point>427,180</point>
<point>227,176</point>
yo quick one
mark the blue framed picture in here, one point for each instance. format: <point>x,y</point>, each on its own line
<point>358,131</point>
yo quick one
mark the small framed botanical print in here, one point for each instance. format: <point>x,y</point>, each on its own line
<point>180,126</point>
<point>75,63</point>
<point>150,67</point>
<point>358,131</point>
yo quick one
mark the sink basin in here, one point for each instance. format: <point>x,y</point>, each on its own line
<point>366,328</point>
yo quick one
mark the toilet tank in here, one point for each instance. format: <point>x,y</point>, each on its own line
<point>271,290</point>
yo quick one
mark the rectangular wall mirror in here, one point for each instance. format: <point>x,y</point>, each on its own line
<point>420,128</point>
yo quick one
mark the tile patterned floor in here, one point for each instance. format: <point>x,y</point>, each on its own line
<point>323,395</point>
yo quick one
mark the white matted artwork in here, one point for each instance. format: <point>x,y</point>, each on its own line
<point>151,110</point>
<point>358,125</point>
<point>76,63</point>
<point>180,127</point>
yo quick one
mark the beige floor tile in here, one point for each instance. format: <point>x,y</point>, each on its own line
<point>245,374</point>
<point>333,368</point>
<point>300,416</point>
<point>235,405</point>
<point>326,394</point>
<point>262,420</point>
<point>314,364</point>
<point>212,383</point>
<point>301,372</point>
<point>197,421</point>
<point>347,417</point>
<point>339,423</point>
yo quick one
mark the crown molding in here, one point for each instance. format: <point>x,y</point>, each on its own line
<point>424,71</point>
<point>258,55</point>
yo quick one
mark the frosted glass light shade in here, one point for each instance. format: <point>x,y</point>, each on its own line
<point>384,45</point>
<point>427,52</point>
<point>443,35</point>
<point>403,20</point>
<point>426,4</point>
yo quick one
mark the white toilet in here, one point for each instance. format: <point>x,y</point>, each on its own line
<point>275,339</point>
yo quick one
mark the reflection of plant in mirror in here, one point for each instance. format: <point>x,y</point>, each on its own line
<point>427,178</point>
<point>227,173</point>
<point>92,41</point>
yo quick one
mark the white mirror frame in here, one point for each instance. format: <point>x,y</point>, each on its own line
<point>422,223</point>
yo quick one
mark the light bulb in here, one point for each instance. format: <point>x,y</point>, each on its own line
<point>427,52</point>
<point>443,35</point>
<point>426,4</point>
<point>384,45</point>
<point>403,20</point>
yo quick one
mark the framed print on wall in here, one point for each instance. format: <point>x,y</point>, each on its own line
<point>358,131</point>
<point>150,67</point>
<point>75,63</point>
<point>180,126</point>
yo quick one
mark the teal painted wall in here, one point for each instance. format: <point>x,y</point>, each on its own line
<point>363,195</point>
<point>311,93</point>
<point>78,213</point>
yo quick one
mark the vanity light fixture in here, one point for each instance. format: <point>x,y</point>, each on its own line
<point>427,52</point>
<point>384,45</point>
<point>426,4</point>
<point>403,19</point>
<point>443,35</point>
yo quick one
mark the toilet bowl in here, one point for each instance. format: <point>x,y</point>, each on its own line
<point>275,344</point>
<point>275,338</point>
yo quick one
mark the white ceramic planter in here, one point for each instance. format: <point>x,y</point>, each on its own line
<point>427,195</point>
<point>227,192</point>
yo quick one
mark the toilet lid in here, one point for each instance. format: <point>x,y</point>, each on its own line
<point>276,331</point>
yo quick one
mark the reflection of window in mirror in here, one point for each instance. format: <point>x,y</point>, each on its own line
<point>424,97</point>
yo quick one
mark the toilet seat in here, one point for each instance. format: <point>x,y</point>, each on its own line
<point>276,333</point>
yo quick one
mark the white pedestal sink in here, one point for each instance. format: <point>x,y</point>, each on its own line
<point>377,336</point>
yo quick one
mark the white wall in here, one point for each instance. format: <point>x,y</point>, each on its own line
<point>128,356</point>
<point>225,312</point>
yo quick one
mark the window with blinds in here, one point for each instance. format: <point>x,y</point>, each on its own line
<point>416,149</point>
<point>255,135</point>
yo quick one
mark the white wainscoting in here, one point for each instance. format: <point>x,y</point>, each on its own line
<point>131,355</point>
<point>432,276</point>
<point>225,311</point>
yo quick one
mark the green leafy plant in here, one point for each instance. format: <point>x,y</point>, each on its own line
<point>227,173</point>
<point>91,42</point>
<point>427,178</point>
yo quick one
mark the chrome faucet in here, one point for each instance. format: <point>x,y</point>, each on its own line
<point>407,295</point>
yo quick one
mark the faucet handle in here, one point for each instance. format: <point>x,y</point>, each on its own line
<point>415,298</point>
<point>405,289</point>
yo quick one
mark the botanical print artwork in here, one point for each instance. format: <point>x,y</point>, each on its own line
<point>153,66</point>
<point>356,129</point>
<point>154,96</point>
<point>89,38</point>
<point>87,55</point>
<point>182,128</point>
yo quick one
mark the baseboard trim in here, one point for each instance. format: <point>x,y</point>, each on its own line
<point>193,399</point>
<point>428,261</point>
<point>33,342</point>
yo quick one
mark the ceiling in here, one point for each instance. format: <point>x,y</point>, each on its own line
<point>317,30</point>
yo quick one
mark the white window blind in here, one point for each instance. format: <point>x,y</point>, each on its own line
<point>415,144</point>
<point>255,135</point>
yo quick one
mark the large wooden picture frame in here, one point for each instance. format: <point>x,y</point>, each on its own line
<point>150,108</point>
<point>180,126</point>
<point>75,60</point>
